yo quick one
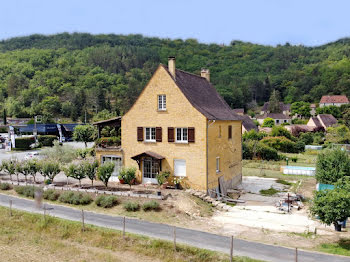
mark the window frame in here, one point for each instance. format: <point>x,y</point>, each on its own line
<point>217,164</point>
<point>161,102</point>
<point>182,135</point>
<point>150,134</point>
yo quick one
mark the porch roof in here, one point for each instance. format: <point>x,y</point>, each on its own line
<point>149,154</point>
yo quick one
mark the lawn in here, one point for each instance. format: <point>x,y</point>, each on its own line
<point>342,247</point>
<point>31,237</point>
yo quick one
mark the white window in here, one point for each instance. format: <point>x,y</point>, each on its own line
<point>162,102</point>
<point>179,167</point>
<point>117,163</point>
<point>181,135</point>
<point>217,164</point>
<point>150,134</point>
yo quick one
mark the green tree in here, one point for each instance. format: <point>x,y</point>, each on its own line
<point>332,110</point>
<point>274,102</point>
<point>281,131</point>
<point>9,166</point>
<point>33,167</point>
<point>84,133</point>
<point>50,169</point>
<point>301,108</point>
<point>268,122</point>
<point>23,168</point>
<point>105,171</point>
<point>332,206</point>
<point>128,175</point>
<point>332,165</point>
<point>90,169</point>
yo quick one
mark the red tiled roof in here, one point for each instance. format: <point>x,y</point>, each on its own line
<point>334,99</point>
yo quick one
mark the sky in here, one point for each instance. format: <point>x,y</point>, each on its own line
<point>269,22</point>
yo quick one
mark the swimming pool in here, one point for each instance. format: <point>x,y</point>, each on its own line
<point>299,170</point>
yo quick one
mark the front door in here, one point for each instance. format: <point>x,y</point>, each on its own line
<point>150,170</point>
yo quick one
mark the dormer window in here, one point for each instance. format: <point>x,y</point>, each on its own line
<point>161,102</point>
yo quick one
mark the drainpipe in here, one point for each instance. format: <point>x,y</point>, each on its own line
<point>208,125</point>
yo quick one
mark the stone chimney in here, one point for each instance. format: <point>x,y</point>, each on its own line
<point>171,65</point>
<point>206,74</point>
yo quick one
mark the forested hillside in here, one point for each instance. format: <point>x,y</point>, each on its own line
<point>66,75</point>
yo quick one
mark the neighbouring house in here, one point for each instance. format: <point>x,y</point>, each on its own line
<point>322,120</point>
<point>179,123</point>
<point>284,108</point>
<point>248,124</point>
<point>278,117</point>
<point>334,100</point>
<point>239,111</point>
<point>297,129</point>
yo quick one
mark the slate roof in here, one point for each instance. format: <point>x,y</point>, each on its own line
<point>327,119</point>
<point>316,121</point>
<point>248,123</point>
<point>283,107</point>
<point>334,99</point>
<point>148,154</point>
<point>203,96</point>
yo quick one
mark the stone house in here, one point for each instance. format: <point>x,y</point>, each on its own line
<point>180,124</point>
<point>322,120</point>
<point>334,100</point>
<point>279,118</point>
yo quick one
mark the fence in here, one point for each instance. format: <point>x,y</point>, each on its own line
<point>172,233</point>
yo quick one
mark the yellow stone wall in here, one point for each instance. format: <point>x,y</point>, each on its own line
<point>179,113</point>
<point>107,152</point>
<point>228,150</point>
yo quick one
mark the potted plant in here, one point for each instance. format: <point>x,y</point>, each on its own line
<point>162,180</point>
<point>177,182</point>
<point>121,180</point>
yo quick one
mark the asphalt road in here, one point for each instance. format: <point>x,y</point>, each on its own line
<point>187,236</point>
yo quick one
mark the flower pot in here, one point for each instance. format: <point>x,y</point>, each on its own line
<point>121,181</point>
<point>159,193</point>
<point>164,185</point>
<point>337,227</point>
<point>177,186</point>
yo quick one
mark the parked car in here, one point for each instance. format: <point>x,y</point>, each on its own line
<point>31,155</point>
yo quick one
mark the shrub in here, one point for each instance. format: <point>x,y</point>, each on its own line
<point>268,122</point>
<point>59,153</point>
<point>128,174</point>
<point>307,138</point>
<point>281,131</point>
<point>131,206</point>
<point>47,140</point>
<point>283,144</point>
<point>151,205</point>
<point>162,177</point>
<point>268,192</point>
<point>294,159</point>
<point>253,149</point>
<point>5,186</point>
<point>253,135</point>
<point>51,195</point>
<point>106,201</point>
<point>27,191</point>
<point>75,198</point>
<point>24,142</point>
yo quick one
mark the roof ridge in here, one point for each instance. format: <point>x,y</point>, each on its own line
<point>182,71</point>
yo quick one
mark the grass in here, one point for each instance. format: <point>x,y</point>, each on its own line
<point>284,182</point>
<point>268,192</point>
<point>26,236</point>
<point>306,234</point>
<point>342,247</point>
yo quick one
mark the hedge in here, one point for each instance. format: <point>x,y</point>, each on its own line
<point>261,150</point>
<point>283,144</point>
<point>24,142</point>
<point>47,140</point>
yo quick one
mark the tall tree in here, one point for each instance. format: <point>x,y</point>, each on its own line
<point>274,102</point>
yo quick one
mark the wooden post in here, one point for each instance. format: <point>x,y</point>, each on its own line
<point>123,227</point>
<point>296,254</point>
<point>231,250</point>
<point>10,208</point>
<point>82,220</point>
<point>174,233</point>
